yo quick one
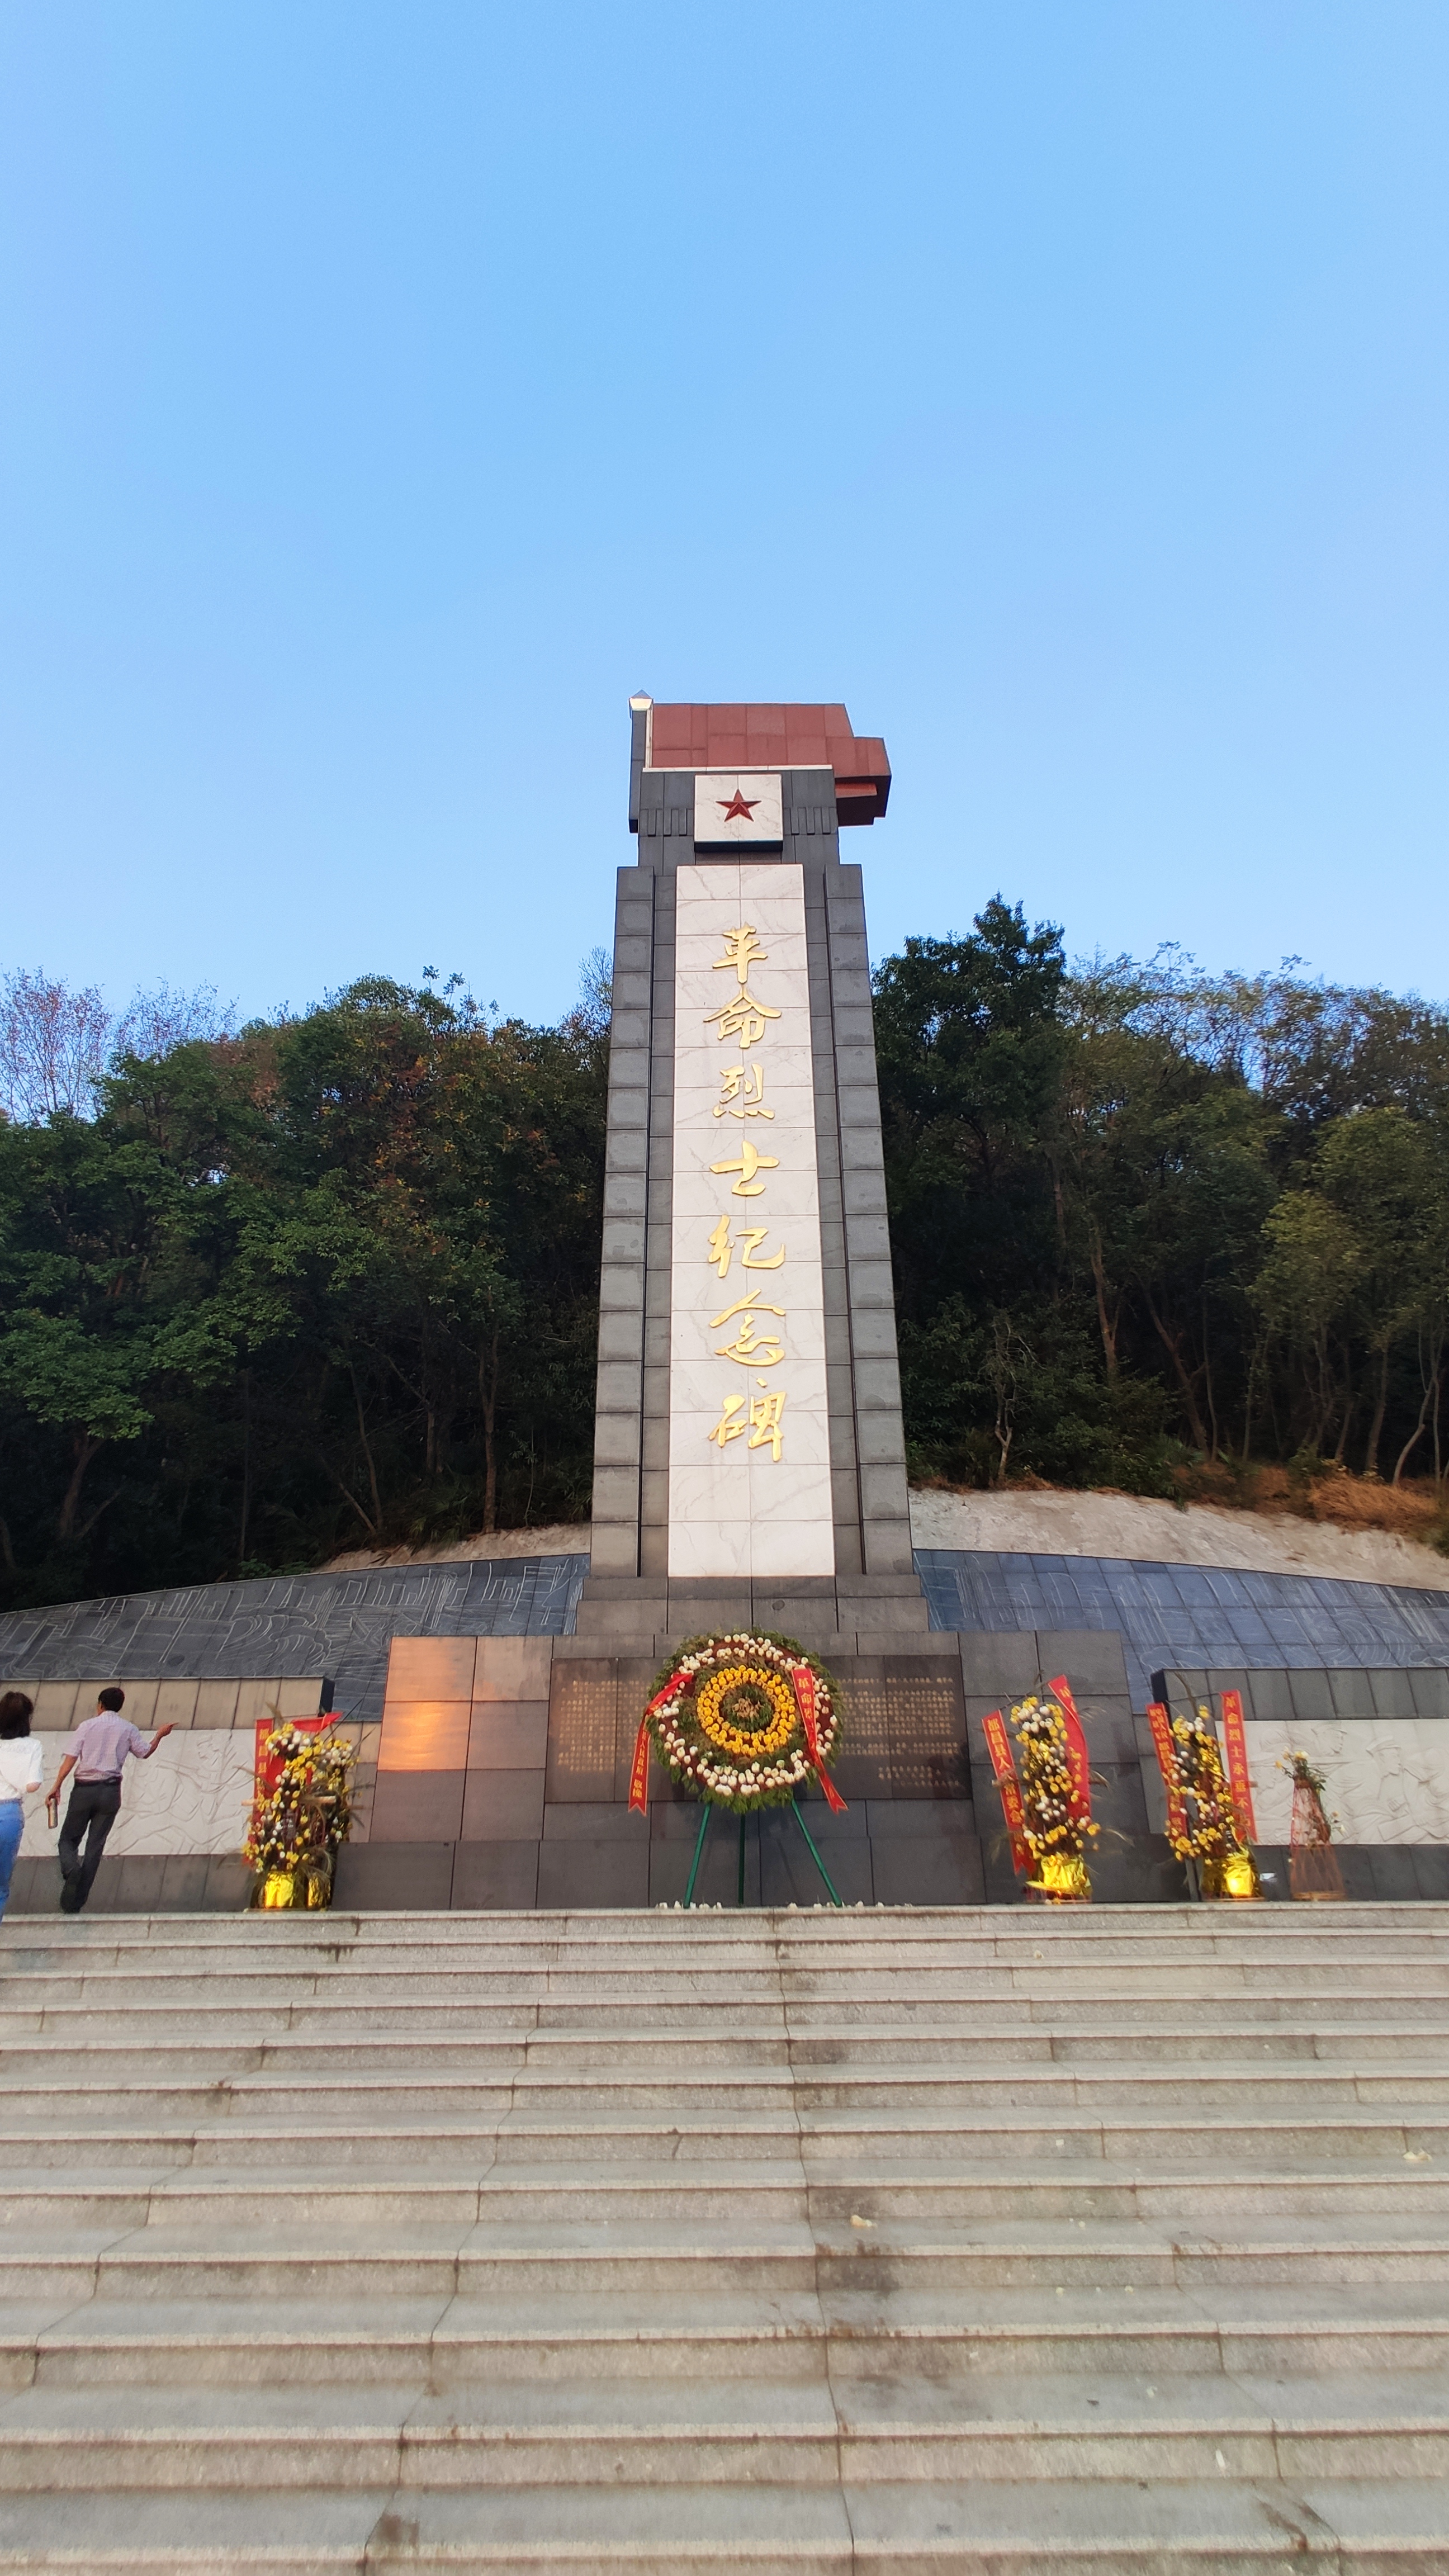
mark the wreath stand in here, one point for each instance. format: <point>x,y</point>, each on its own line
<point>708,1810</point>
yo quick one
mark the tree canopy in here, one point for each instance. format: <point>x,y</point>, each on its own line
<point>332,1281</point>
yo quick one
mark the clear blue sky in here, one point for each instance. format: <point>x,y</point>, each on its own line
<point>390,389</point>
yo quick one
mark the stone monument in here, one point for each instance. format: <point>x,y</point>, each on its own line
<point>750,1459</point>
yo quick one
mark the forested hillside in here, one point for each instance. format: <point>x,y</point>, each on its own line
<point>331,1281</point>
<point>1143,1217</point>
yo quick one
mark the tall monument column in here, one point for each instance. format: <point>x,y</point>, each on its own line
<point>749,1434</point>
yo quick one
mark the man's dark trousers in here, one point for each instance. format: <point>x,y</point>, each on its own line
<point>94,1804</point>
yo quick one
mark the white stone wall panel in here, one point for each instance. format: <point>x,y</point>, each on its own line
<point>738,1510</point>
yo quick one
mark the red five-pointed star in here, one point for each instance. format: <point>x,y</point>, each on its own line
<point>738,804</point>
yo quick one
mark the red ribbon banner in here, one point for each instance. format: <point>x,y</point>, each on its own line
<point>998,1745</point>
<point>1236,1743</point>
<point>267,1767</point>
<point>1161,1725</point>
<point>1061,1690</point>
<point>639,1767</point>
<point>804,1681</point>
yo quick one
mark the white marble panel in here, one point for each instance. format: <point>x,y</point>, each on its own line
<point>1388,1778</point>
<point>717,1481</point>
<point>789,1190</point>
<point>744,805</point>
<point>792,1547</point>
<point>712,902</point>
<point>709,1547</point>
<point>193,1795</point>
<point>696,1344</point>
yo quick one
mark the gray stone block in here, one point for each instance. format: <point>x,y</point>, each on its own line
<point>508,1735</point>
<point>883,1493</point>
<point>615,1547</point>
<point>590,1821</point>
<point>617,1383</point>
<point>872,1286</point>
<point>908,1870</point>
<point>866,1239</point>
<point>588,1874</point>
<point>1091,1658</point>
<point>616,1440</point>
<point>1312,1694</point>
<point>228,1883</point>
<point>886,1545</point>
<point>395,1877</point>
<point>654,1452</point>
<point>503,1806</point>
<point>621,1345</point>
<point>1352,1694</point>
<point>879,1438</point>
<point>499,1877</point>
<point>997,1667</point>
<point>417,1807</point>
<point>863,1195</point>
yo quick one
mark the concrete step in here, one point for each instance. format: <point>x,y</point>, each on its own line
<point>1392,2527</point>
<point>831,2143</point>
<point>855,2049</point>
<point>686,2258</point>
<point>925,2094</point>
<point>446,2339</point>
<point>700,2432</point>
<point>871,2243</point>
<point>40,2196</point>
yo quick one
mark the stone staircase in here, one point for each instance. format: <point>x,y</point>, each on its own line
<point>767,2244</point>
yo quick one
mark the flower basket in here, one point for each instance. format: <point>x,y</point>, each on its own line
<point>301,1815</point>
<point>1056,1798</point>
<point>1203,1825</point>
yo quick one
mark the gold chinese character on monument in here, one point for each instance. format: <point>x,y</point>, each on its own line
<point>741,1306</point>
<point>765,1426</point>
<point>752,1349</point>
<point>746,1243</point>
<point>764,1421</point>
<point>747,1162</point>
<point>743,1018</point>
<point>764,1349</point>
<point>744,1092</point>
<point>727,1428</point>
<point>742,951</point>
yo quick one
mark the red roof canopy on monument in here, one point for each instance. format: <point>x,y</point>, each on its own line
<point>777,737</point>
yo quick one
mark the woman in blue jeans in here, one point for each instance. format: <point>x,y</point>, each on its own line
<point>20,1777</point>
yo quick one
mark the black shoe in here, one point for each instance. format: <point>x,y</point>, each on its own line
<point>70,1902</point>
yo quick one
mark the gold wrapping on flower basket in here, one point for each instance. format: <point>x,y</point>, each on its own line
<point>279,1888</point>
<point>1062,1878</point>
<point>1232,1877</point>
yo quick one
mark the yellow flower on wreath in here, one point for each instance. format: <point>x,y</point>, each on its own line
<point>742,1742</point>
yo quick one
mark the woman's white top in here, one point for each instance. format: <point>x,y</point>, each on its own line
<point>22,1765</point>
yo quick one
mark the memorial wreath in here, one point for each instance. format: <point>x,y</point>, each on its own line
<point>741,1721</point>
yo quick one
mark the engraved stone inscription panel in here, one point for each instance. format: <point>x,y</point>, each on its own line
<point>594,1708</point>
<point>905,1727</point>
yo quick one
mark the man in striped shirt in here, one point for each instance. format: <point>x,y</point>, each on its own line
<point>96,1752</point>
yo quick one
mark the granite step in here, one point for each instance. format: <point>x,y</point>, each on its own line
<point>872,2243</point>
<point>1388,2526</point>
